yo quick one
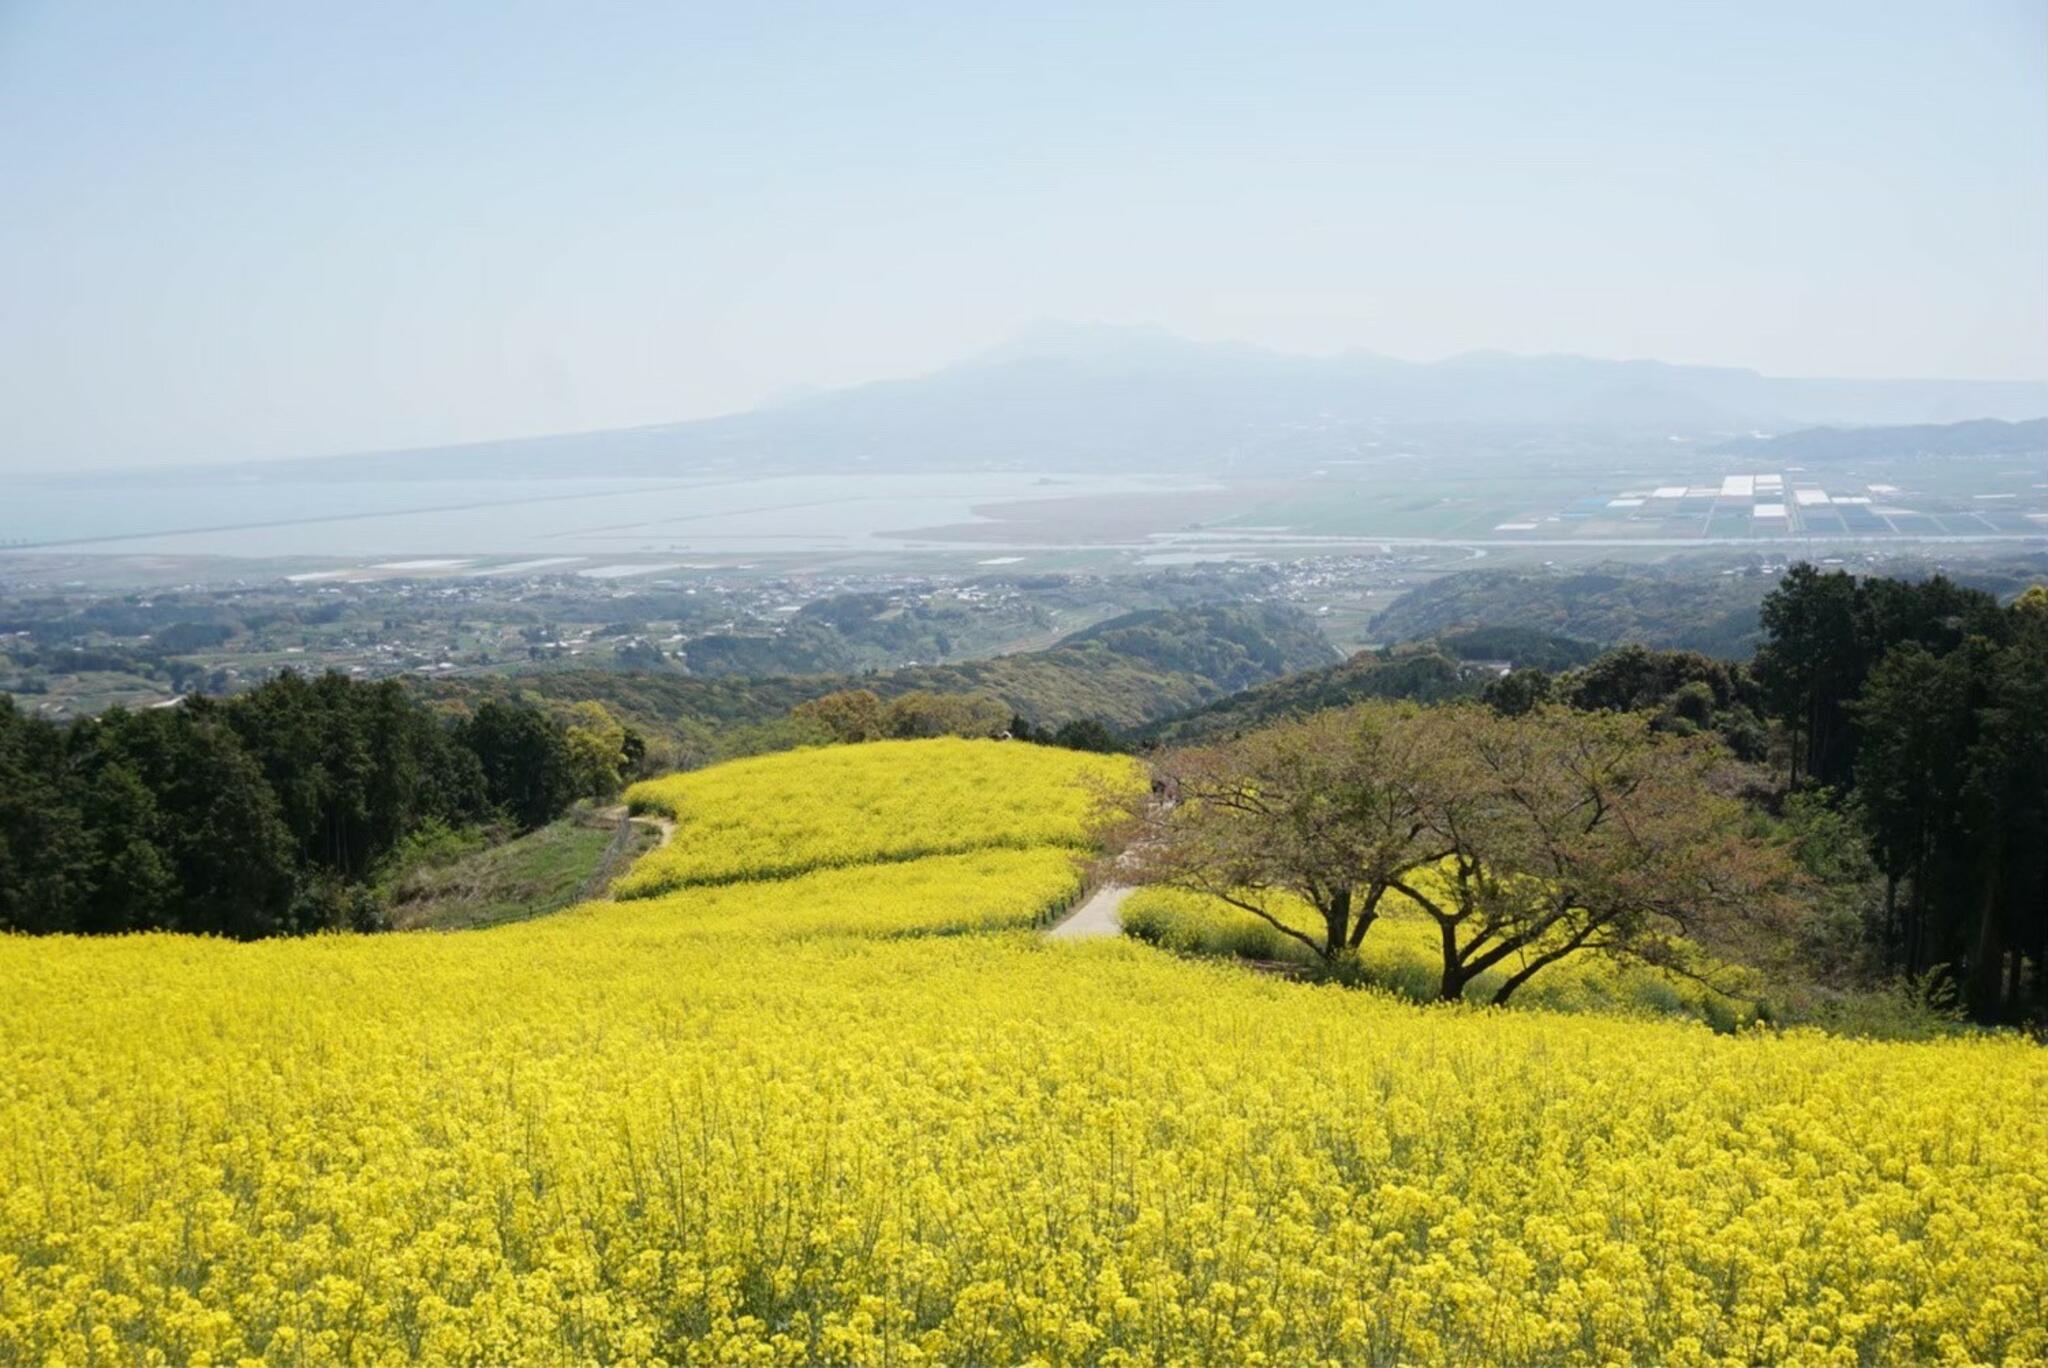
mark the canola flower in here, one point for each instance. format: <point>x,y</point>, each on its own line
<point>776,815</point>
<point>981,890</point>
<point>703,1128</point>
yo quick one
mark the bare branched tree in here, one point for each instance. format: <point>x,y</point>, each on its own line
<point>1525,839</point>
<point>1330,810</point>
<point>1582,831</point>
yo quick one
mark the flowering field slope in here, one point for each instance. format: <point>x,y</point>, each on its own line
<point>776,815</point>
<point>760,1123</point>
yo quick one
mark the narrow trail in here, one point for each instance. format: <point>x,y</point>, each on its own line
<point>1101,912</point>
<point>1098,916</point>
<point>619,853</point>
<point>663,826</point>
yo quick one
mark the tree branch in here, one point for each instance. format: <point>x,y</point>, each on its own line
<point>1528,970</point>
<point>1271,920</point>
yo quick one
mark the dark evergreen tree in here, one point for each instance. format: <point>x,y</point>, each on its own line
<point>524,759</point>
<point>262,815</point>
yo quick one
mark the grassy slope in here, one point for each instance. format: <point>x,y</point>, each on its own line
<point>530,876</point>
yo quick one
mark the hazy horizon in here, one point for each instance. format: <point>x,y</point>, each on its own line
<point>800,391</point>
<point>261,234</point>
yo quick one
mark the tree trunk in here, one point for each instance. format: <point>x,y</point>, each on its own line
<point>1337,922</point>
<point>1452,986</point>
<point>1894,935</point>
<point>1987,958</point>
<point>1916,918</point>
<point>2041,952</point>
<point>1367,915</point>
<point>1816,740</point>
<point>1798,735</point>
<point>1516,980</point>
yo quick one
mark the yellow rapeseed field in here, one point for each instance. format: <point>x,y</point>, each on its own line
<point>762,1123</point>
<point>775,815</point>
<point>981,890</point>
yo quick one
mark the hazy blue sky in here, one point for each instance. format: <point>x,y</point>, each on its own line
<point>238,230</point>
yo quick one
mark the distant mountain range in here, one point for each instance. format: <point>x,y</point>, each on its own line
<point>1074,397</point>
<point>1978,437</point>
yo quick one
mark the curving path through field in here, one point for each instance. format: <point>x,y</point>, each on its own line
<point>1095,917</point>
<point>665,828</point>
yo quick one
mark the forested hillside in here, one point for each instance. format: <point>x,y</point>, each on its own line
<point>1897,729</point>
<point>1519,647</point>
<point>1977,437</point>
<point>271,812</point>
<point>1606,604</point>
<point>1430,672</point>
<point>1679,607</point>
<point>1143,665</point>
<point>1124,672</point>
<point>1426,676</point>
<point>1919,713</point>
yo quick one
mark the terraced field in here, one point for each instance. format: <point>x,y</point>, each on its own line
<point>776,815</point>
<point>867,1114</point>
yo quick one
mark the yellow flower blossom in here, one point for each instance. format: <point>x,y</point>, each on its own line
<point>785,1122</point>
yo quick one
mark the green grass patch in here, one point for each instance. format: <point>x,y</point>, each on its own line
<point>460,881</point>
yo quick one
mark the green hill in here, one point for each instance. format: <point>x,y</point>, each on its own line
<point>1606,605</point>
<point>1124,672</point>
<point>1682,606</point>
<point>1426,676</point>
<point>1976,437</point>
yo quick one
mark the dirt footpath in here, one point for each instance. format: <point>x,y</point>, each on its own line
<point>1095,917</point>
